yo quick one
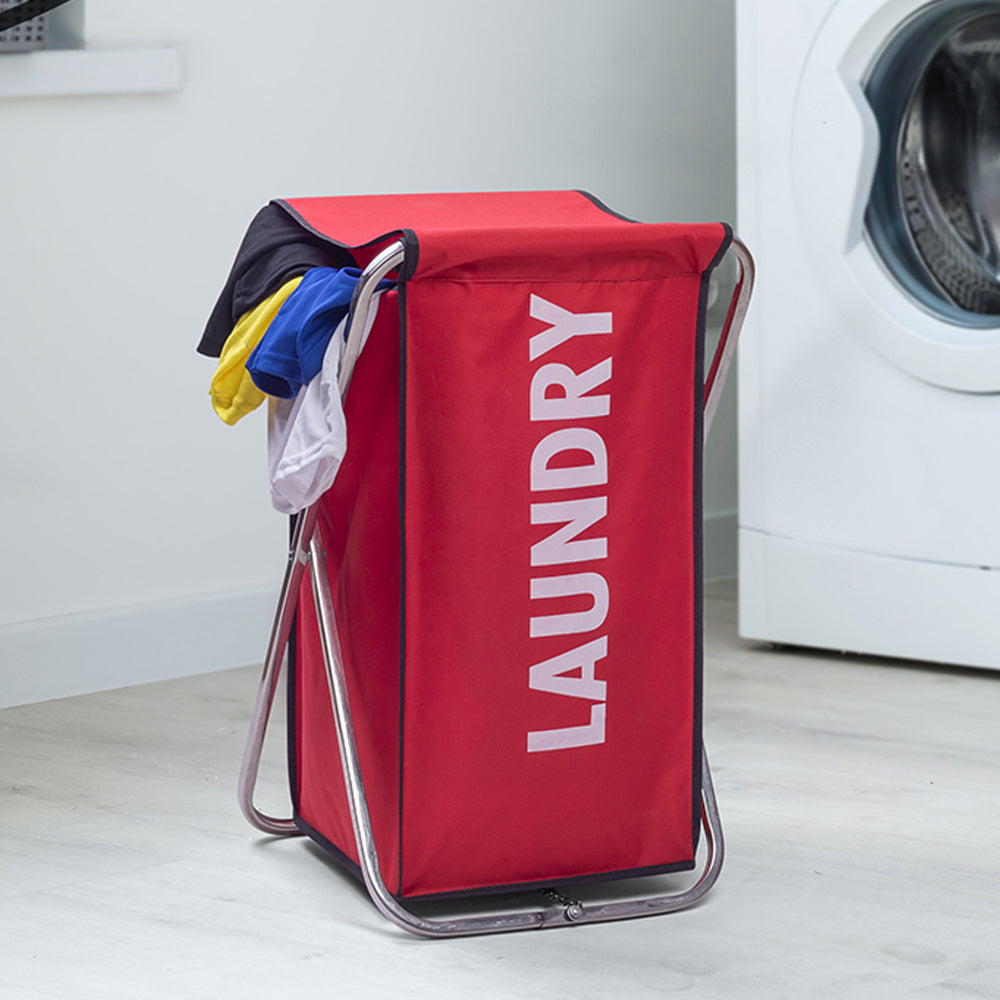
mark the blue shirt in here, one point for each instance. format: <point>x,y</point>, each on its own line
<point>290,354</point>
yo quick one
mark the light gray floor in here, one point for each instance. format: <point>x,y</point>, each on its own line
<point>860,802</point>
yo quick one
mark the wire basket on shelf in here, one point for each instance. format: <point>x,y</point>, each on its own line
<point>24,37</point>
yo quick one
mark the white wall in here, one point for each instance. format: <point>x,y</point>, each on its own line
<point>124,499</point>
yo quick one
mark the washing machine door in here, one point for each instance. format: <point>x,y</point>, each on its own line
<point>897,169</point>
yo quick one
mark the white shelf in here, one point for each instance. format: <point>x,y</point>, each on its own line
<point>89,72</point>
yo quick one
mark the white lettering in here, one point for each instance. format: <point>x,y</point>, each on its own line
<point>562,325</point>
<point>572,736</point>
<point>569,458</point>
<point>592,585</point>
<point>563,546</point>
<point>571,403</point>
<point>550,675</point>
<point>568,477</point>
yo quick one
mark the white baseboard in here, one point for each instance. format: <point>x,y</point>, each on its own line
<point>79,654</point>
<point>720,546</point>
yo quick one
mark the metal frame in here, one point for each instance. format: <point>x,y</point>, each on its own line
<point>306,550</point>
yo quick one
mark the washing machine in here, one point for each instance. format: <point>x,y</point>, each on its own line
<point>868,145</point>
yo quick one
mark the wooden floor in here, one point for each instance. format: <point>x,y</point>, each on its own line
<point>861,804</point>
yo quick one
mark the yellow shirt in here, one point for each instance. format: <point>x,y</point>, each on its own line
<point>233,393</point>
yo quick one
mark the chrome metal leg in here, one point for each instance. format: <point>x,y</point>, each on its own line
<point>280,631</point>
<point>726,348</point>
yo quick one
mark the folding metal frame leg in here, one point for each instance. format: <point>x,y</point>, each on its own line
<point>298,555</point>
<point>725,350</point>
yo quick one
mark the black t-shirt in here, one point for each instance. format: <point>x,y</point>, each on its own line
<point>275,249</point>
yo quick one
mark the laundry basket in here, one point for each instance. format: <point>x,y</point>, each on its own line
<point>493,617</point>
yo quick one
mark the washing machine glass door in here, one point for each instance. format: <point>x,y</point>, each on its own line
<point>934,211</point>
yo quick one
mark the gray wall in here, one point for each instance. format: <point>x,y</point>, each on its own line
<point>135,531</point>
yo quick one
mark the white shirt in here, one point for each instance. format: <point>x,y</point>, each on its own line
<point>307,435</point>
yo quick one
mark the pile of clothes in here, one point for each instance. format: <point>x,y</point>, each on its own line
<point>279,330</point>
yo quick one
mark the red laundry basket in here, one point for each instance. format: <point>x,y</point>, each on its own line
<point>496,655</point>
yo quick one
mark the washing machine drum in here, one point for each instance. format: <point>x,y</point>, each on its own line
<point>934,212</point>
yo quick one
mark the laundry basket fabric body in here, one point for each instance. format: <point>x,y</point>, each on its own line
<point>514,548</point>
